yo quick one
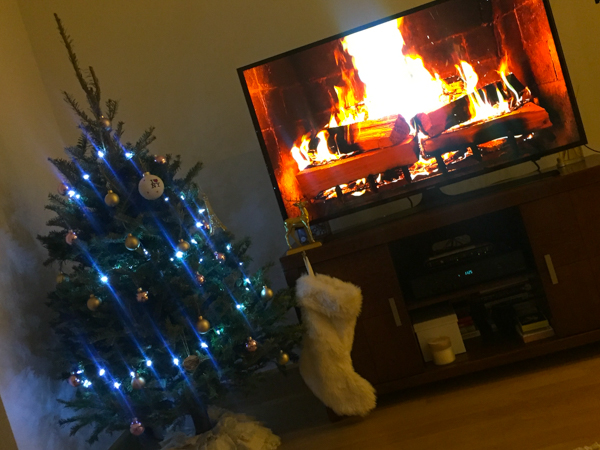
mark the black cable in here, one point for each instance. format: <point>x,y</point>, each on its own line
<point>590,148</point>
<point>411,202</point>
<point>539,169</point>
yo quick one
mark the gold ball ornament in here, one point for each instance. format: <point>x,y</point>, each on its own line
<point>183,246</point>
<point>138,383</point>
<point>141,296</point>
<point>62,189</point>
<point>61,277</point>
<point>202,325</point>
<point>131,242</point>
<point>251,345</point>
<point>136,428</point>
<point>283,359</point>
<point>266,293</point>
<point>191,363</point>
<point>111,199</point>
<point>70,237</point>
<point>74,381</point>
<point>220,256</point>
<point>93,303</point>
<point>200,278</point>
<point>151,187</point>
<point>160,159</point>
<point>105,122</point>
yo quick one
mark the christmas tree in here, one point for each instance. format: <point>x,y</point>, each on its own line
<point>156,314</point>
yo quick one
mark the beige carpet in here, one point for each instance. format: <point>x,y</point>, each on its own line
<point>594,446</point>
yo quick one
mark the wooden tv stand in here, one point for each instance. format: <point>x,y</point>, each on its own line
<point>560,216</point>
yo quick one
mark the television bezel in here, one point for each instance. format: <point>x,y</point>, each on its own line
<point>441,180</point>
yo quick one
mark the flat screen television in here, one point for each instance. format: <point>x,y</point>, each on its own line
<point>427,97</point>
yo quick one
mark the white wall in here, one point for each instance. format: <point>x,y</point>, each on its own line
<point>28,135</point>
<point>172,64</point>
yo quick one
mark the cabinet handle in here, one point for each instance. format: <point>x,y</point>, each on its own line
<point>551,270</point>
<point>395,312</point>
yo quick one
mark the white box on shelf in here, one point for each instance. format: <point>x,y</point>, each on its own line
<point>435,322</point>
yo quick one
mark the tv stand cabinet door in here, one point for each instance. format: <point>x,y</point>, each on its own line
<point>385,347</point>
<point>561,252</point>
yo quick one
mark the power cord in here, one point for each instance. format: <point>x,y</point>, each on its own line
<point>590,148</point>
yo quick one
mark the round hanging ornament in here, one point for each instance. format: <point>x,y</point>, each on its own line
<point>191,363</point>
<point>70,237</point>
<point>141,296</point>
<point>283,359</point>
<point>220,256</point>
<point>62,189</point>
<point>111,199</point>
<point>251,345</point>
<point>105,122</point>
<point>136,428</point>
<point>183,246</point>
<point>151,187</point>
<point>131,242</point>
<point>138,383</point>
<point>74,380</point>
<point>160,159</point>
<point>266,293</point>
<point>93,303</point>
<point>200,278</point>
<point>61,277</point>
<point>202,325</point>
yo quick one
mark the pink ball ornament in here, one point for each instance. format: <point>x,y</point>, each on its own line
<point>151,187</point>
<point>136,428</point>
<point>62,189</point>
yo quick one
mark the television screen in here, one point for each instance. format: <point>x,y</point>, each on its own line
<point>430,96</point>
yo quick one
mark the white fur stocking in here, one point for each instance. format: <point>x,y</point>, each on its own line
<point>330,308</point>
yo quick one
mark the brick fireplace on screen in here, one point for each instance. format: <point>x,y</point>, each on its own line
<point>454,89</point>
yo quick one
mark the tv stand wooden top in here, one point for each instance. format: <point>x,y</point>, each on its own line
<point>452,209</point>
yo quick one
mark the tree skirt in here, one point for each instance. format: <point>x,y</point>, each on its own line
<point>231,432</point>
<point>594,446</point>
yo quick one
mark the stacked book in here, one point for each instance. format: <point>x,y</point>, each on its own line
<point>531,324</point>
<point>467,327</point>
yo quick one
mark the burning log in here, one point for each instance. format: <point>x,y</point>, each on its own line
<point>457,112</point>
<point>371,134</point>
<point>524,120</point>
<point>316,179</point>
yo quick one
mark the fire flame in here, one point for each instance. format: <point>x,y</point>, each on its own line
<point>398,85</point>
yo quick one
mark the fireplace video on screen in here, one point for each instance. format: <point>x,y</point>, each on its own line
<point>450,90</point>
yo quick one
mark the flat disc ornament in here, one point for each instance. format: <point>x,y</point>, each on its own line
<point>151,187</point>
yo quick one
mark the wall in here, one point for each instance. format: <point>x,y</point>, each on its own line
<point>171,65</point>
<point>28,135</point>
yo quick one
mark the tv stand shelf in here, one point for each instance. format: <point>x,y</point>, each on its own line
<point>553,220</point>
